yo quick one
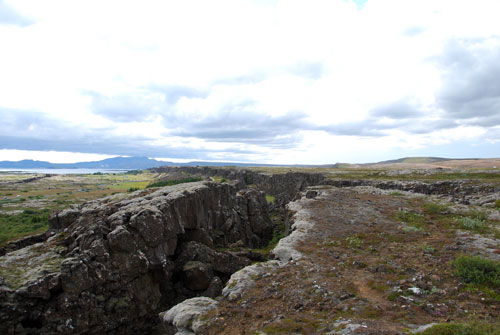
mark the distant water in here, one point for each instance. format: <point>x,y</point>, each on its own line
<point>63,171</point>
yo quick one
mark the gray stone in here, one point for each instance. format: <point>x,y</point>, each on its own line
<point>118,261</point>
<point>186,316</point>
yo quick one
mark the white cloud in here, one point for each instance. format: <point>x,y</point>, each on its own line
<point>157,70</point>
<point>51,156</point>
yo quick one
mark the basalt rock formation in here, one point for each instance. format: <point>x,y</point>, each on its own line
<point>111,265</point>
<point>461,191</point>
<point>285,187</point>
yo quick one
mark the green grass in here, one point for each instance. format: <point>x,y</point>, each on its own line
<point>29,222</point>
<point>435,209</point>
<point>218,179</point>
<point>353,242</point>
<point>300,325</point>
<point>427,248</point>
<point>476,214</point>
<point>477,270</point>
<point>278,234</point>
<point>393,296</point>
<point>463,329</point>
<point>413,221</point>
<point>134,172</point>
<point>410,217</point>
<point>270,199</point>
<point>140,185</point>
<point>163,183</point>
<point>412,229</point>
<point>497,203</point>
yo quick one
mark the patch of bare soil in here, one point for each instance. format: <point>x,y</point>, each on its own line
<point>361,273</point>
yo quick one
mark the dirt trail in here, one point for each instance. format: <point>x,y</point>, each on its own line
<point>364,290</point>
<point>360,273</point>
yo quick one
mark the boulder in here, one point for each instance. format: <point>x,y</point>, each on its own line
<point>186,317</point>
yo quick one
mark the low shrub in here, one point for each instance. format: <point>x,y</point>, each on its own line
<point>411,229</point>
<point>270,199</point>
<point>472,223</point>
<point>410,216</point>
<point>476,214</point>
<point>354,242</point>
<point>477,270</point>
<point>463,329</point>
<point>436,209</point>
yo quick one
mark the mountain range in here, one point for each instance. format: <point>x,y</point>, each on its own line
<point>139,163</point>
<point>119,163</point>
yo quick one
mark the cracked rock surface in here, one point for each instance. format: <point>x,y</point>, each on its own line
<point>113,264</point>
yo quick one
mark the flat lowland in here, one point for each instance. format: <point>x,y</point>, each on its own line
<point>26,200</point>
<point>372,264</point>
<point>484,163</point>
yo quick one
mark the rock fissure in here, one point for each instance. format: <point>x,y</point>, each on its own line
<point>125,260</point>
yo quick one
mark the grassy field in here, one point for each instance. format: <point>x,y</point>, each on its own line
<point>28,222</point>
<point>25,206</point>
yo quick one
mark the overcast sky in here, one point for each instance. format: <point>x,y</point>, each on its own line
<point>303,82</point>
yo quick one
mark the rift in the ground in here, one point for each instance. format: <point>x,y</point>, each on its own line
<point>202,250</point>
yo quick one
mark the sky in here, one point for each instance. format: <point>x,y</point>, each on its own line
<point>284,82</point>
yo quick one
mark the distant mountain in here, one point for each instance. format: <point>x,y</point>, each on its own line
<point>415,160</point>
<point>25,164</point>
<point>140,163</point>
<point>116,163</point>
<point>125,163</point>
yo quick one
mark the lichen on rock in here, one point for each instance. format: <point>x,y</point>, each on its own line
<point>186,317</point>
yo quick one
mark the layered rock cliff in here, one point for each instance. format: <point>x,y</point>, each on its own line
<point>283,186</point>
<point>112,264</point>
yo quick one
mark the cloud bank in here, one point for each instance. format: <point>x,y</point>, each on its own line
<point>274,82</point>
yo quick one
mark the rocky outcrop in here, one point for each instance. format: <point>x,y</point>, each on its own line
<point>113,264</point>
<point>462,191</point>
<point>190,316</point>
<point>24,242</point>
<point>285,187</point>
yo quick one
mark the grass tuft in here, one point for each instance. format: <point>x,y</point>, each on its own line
<point>472,223</point>
<point>270,199</point>
<point>436,209</point>
<point>463,329</point>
